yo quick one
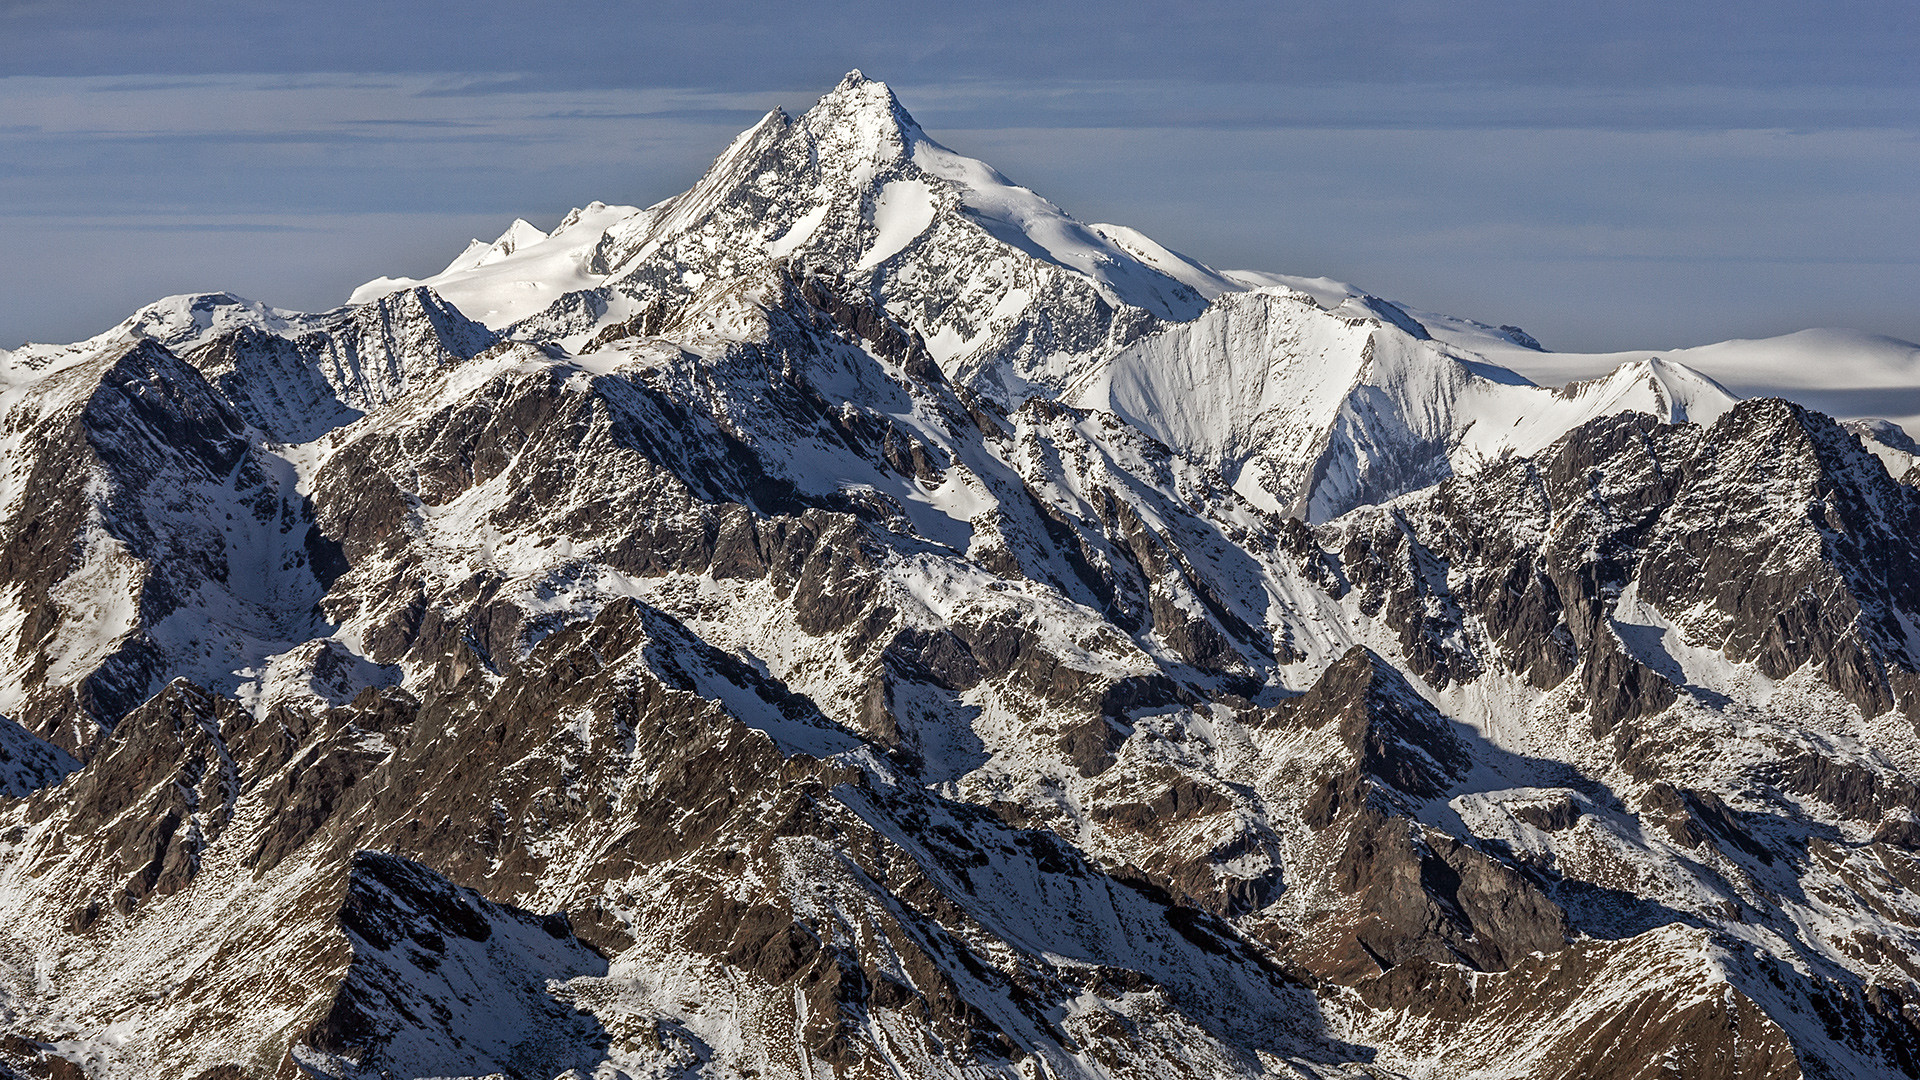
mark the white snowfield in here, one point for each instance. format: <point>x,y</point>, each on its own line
<point>1846,373</point>
<point>519,274</point>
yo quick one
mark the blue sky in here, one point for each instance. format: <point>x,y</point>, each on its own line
<point>1621,175</point>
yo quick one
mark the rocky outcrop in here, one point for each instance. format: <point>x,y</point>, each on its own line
<point>1388,889</point>
<point>1688,523</point>
<point>469,979</point>
<point>149,532</point>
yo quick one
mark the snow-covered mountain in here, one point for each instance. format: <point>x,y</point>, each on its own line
<point>853,619</point>
<point>1312,412</point>
<point>1012,297</point>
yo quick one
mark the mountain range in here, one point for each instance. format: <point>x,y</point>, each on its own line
<point>854,619</point>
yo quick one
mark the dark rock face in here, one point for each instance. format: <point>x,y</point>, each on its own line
<point>1397,890</point>
<point>1685,520</point>
<point>1393,735</point>
<point>755,667</point>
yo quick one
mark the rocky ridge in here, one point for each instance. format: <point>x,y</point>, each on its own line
<point>868,623</point>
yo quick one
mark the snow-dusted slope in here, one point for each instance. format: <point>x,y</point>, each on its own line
<point>28,764</point>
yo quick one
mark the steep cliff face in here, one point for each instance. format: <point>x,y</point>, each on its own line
<point>862,622</point>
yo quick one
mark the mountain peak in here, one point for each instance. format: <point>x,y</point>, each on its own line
<point>869,105</point>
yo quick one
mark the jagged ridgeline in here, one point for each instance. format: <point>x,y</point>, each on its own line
<point>853,619</point>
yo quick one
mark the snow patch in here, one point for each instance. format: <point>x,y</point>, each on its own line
<point>798,234</point>
<point>903,211</point>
